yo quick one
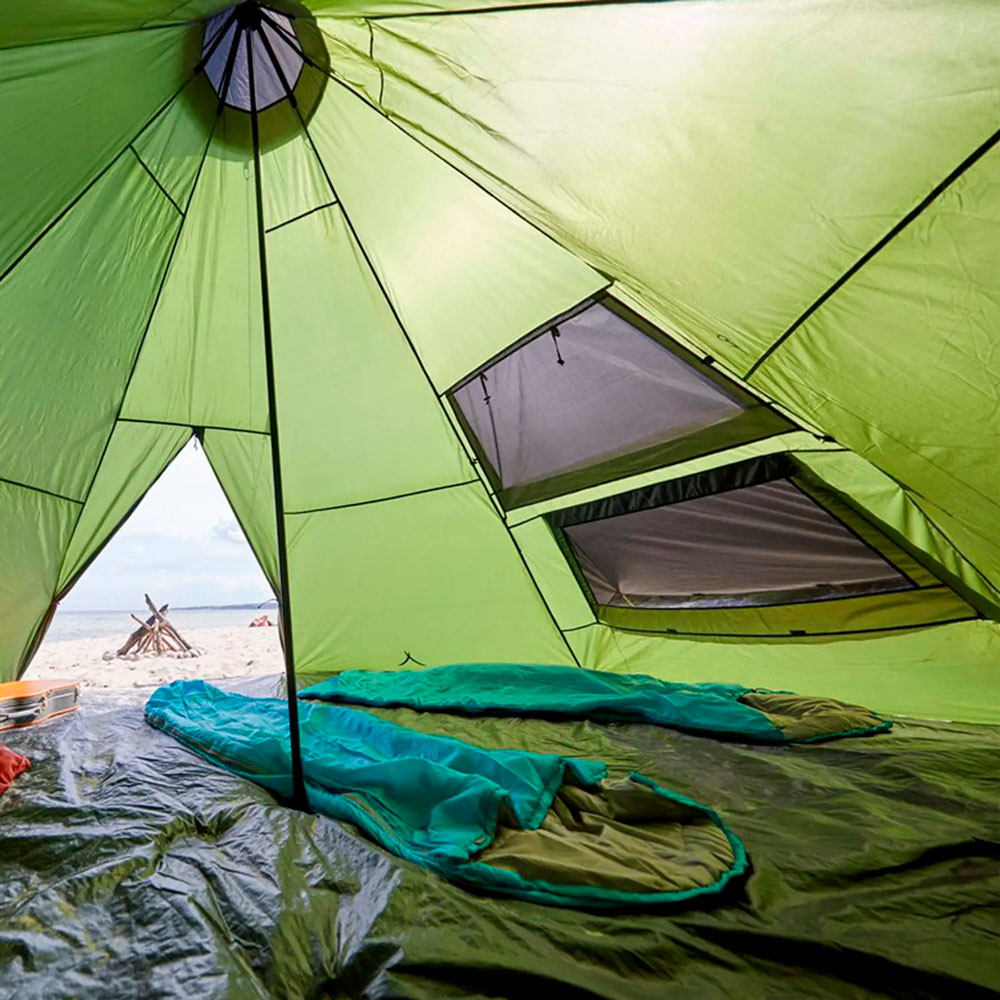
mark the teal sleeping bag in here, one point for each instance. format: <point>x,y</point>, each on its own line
<point>728,710</point>
<point>537,826</point>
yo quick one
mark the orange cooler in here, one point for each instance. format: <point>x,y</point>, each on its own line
<point>26,703</point>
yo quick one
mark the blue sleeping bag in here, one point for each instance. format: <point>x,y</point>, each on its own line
<point>538,826</point>
<point>729,710</point>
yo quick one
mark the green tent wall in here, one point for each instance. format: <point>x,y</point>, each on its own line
<point>805,193</point>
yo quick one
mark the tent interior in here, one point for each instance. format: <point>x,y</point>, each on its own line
<point>653,338</point>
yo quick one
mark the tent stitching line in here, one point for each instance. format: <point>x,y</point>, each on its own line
<point>39,489</point>
<point>420,363</point>
<point>288,222</point>
<point>935,192</point>
<point>375,500</point>
<point>510,9</point>
<point>975,569</point>
<point>41,43</point>
<point>104,170</point>
<point>609,279</point>
<point>193,424</point>
<point>153,177</point>
<point>907,447</point>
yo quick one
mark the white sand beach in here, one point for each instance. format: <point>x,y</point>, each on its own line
<point>230,651</point>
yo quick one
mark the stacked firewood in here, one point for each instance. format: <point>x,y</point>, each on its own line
<point>156,636</point>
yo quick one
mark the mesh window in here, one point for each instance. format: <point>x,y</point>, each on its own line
<point>589,389</point>
<point>758,545</point>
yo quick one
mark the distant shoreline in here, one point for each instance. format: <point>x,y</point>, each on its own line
<point>115,626</point>
<point>180,607</point>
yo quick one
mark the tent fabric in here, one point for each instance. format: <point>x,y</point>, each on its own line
<point>445,181</point>
<point>728,710</point>
<point>873,875</point>
<point>508,822</point>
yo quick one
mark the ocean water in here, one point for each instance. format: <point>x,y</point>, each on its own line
<point>90,624</point>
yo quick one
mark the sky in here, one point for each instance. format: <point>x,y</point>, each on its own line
<point>182,545</point>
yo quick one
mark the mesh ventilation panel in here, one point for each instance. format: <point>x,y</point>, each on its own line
<point>590,389</point>
<point>758,545</point>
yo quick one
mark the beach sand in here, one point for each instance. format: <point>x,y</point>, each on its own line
<point>228,652</point>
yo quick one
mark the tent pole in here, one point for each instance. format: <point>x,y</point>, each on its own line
<point>299,799</point>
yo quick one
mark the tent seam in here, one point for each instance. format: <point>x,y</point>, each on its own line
<point>101,34</point>
<point>193,424</point>
<point>375,500</point>
<point>506,9</point>
<point>977,154</point>
<point>302,215</point>
<point>166,194</point>
<point>39,489</point>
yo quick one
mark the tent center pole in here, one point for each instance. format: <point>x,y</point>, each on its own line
<point>299,799</point>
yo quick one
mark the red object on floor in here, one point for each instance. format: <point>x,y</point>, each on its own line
<point>11,765</point>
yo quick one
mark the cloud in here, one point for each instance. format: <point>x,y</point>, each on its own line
<point>228,530</point>
<point>182,545</point>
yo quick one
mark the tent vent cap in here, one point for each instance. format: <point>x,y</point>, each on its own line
<point>277,55</point>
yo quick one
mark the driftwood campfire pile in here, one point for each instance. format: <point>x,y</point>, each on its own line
<point>155,636</point>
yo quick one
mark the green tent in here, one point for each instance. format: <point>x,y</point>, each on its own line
<point>651,337</point>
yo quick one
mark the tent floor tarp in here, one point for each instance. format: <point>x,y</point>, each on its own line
<point>132,868</point>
